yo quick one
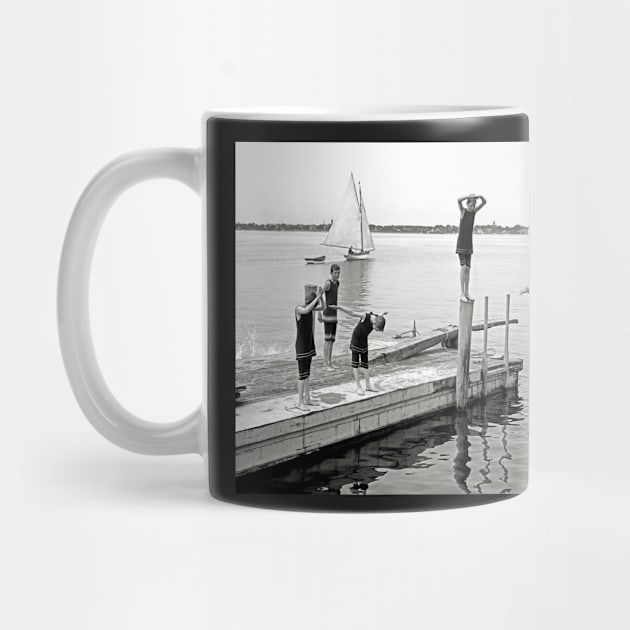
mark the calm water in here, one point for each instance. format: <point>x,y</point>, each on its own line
<point>414,277</point>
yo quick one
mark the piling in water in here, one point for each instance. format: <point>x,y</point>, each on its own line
<point>484,358</point>
<point>463,352</point>
<point>506,350</point>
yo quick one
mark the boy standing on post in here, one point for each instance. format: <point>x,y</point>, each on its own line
<point>464,239</point>
<point>329,315</point>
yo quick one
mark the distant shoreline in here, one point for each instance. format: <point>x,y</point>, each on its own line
<point>386,229</point>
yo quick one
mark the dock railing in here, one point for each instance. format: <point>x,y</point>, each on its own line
<point>463,351</point>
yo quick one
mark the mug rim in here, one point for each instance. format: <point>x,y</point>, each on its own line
<point>361,114</point>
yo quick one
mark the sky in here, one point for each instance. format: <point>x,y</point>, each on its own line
<point>402,183</point>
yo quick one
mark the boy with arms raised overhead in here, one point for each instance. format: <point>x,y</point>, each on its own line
<point>305,346</point>
<point>464,249</point>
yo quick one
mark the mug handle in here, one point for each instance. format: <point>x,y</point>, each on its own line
<point>97,402</point>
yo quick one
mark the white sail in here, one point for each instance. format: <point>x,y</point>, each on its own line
<point>350,227</point>
<point>368,242</point>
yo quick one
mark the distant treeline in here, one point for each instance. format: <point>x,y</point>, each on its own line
<point>405,229</point>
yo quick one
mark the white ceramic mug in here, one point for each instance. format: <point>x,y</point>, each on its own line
<point>259,436</point>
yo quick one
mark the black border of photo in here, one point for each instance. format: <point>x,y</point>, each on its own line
<point>221,135</point>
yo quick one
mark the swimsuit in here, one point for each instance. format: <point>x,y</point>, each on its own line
<point>464,238</point>
<point>304,344</point>
<point>359,342</point>
<point>329,315</point>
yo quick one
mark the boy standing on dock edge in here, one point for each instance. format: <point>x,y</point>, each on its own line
<point>305,347</point>
<point>359,345</point>
<point>329,315</point>
<point>464,249</point>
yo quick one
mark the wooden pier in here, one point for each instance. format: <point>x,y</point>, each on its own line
<point>415,377</point>
<point>268,377</point>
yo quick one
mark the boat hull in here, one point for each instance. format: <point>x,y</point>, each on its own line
<point>315,260</point>
<point>363,256</point>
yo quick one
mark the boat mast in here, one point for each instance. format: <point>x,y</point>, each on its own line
<point>361,214</point>
<point>358,203</point>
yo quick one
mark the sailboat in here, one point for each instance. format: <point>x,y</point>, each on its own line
<point>350,230</point>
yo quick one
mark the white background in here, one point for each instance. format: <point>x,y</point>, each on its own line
<point>94,537</point>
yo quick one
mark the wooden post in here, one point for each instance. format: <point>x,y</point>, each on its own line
<point>463,352</point>
<point>506,350</point>
<point>484,360</point>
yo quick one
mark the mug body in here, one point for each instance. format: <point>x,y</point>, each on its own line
<point>366,307</point>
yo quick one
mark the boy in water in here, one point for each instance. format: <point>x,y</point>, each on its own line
<point>467,215</point>
<point>359,345</point>
<point>329,315</point>
<point>305,347</point>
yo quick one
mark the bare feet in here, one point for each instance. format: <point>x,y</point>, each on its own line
<point>329,368</point>
<point>463,298</point>
<point>370,388</point>
<point>311,403</point>
<point>360,391</point>
<point>301,407</point>
<point>470,299</point>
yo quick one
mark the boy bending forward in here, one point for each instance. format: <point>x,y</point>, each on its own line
<point>359,345</point>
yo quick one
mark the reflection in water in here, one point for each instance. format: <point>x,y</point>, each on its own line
<point>484,471</point>
<point>460,467</point>
<point>506,455</point>
<point>445,453</point>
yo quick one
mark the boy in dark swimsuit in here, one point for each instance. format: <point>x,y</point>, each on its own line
<point>305,347</point>
<point>329,315</point>
<point>464,249</point>
<point>359,345</point>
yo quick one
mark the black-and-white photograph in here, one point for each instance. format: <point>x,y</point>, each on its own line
<point>314,315</point>
<point>382,318</point>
